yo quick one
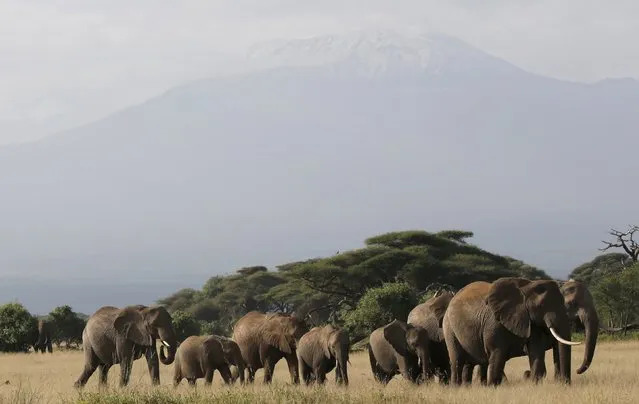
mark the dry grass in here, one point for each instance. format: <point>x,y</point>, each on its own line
<point>48,378</point>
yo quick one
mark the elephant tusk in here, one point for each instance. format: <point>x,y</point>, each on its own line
<point>166,344</point>
<point>563,341</point>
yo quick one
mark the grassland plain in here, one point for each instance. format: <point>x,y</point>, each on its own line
<point>48,378</point>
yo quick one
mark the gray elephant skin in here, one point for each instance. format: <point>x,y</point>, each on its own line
<point>430,315</point>
<point>43,340</point>
<point>581,309</point>
<point>487,323</point>
<point>264,339</point>
<point>200,356</point>
<point>321,350</point>
<point>115,335</point>
<point>399,348</point>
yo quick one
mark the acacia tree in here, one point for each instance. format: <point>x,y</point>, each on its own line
<point>624,240</point>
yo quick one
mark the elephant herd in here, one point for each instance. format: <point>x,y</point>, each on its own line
<point>484,324</point>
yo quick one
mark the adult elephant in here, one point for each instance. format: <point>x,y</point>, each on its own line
<point>399,348</point>
<point>485,324</point>
<point>121,335</point>
<point>430,315</point>
<point>321,350</point>
<point>264,339</point>
<point>44,337</point>
<point>581,310</point>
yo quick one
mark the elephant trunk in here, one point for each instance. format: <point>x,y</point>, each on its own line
<point>341,367</point>
<point>422,354</point>
<point>167,360</point>
<point>590,320</point>
<point>564,352</point>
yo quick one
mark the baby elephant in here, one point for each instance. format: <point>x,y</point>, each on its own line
<point>322,349</point>
<point>200,356</point>
<point>399,348</point>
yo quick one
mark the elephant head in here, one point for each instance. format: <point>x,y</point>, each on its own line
<point>143,325</point>
<point>579,304</point>
<point>520,304</point>
<point>336,344</point>
<point>282,331</point>
<point>409,340</point>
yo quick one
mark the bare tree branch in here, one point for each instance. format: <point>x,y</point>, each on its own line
<point>624,240</point>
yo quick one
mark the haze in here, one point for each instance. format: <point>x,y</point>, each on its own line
<point>132,192</point>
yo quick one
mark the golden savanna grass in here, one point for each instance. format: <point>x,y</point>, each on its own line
<point>48,378</point>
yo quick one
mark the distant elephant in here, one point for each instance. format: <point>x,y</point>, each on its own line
<point>264,339</point>
<point>399,348</point>
<point>44,335</point>
<point>430,315</point>
<point>120,336</point>
<point>322,349</point>
<point>486,323</point>
<point>581,308</point>
<point>200,356</point>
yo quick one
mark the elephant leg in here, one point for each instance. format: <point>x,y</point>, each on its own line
<point>49,346</point>
<point>153,364</point>
<point>456,356</point>
<point>537,362</point>
<point>191,381</point>
<point>104,373</point>
<point>483,374</point>
<point>269,367</point>
<point>225,372</point>
<point>320,374</point>
<point>251,374</point>
<point>126,364</point>
<point>467,373</point>
<point>91,362</point>
<point>496,364</point>
<point>293,370</point>
<point>306,372</point>
<point>208,376</point>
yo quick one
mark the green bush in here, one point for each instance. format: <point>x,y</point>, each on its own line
<point>17,327</point>
<point>185,325</point>
<point>380,306</point>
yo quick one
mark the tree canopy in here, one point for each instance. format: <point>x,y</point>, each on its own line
<point>329,287</point>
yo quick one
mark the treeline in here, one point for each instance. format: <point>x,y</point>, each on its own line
<point>19,328</point>
<point>360,289</point>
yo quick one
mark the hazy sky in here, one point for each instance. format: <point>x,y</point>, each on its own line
<point>84,57</point>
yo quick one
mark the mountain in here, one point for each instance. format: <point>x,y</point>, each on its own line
<point>304,157</point>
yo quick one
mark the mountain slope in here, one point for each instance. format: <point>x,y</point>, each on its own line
<point>298,161</point>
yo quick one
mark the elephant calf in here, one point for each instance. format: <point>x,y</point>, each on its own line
<point>322,349</point>
<point>399,348</point>
<point>200,356</point>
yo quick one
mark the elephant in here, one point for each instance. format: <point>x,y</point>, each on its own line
<point>43,337</point>
<point>581,309</point>
<point>399,348</point>
<point>488,323</point>
<point>265,338</point>
<point>322,349</point>
<point>121,335</point>
<point>233,356</point>
<point>200,356</point>
<point>429,315</point>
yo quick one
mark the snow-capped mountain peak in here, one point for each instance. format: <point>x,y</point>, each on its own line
<point>377,52</point>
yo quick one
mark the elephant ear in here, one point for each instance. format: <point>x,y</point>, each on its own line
<point>395,334</point>
<point>438,307</point>
<point>326,340</point>
<point>130,324</point>
<point>274,334</point>
<point>508,303</point>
